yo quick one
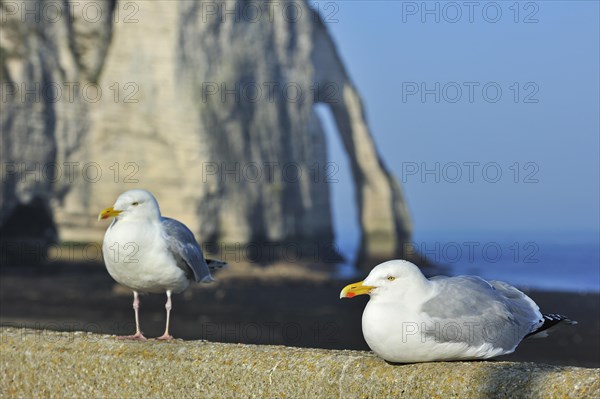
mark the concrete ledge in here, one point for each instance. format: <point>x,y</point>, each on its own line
<point>36,363</point>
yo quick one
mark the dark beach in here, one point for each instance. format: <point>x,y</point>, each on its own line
<point>277,305</point>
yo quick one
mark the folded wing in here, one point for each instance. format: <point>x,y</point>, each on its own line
<point>185,249</point>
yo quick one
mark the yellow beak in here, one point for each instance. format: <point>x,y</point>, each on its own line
<point>354,289</point>
<point>108,212</point>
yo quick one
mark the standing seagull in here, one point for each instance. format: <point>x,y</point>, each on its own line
<point>410,318</point>
<point>149,253</point>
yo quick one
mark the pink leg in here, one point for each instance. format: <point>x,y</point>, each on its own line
<point>138,334</point>
<point>166,335</point>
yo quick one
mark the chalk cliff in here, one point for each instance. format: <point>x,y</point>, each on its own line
<point>210,105</point>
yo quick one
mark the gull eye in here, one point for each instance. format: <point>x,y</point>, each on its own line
<point>391,278</point>
<point>135,203</point>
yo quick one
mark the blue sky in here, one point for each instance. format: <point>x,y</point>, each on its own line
<point>541,132</point>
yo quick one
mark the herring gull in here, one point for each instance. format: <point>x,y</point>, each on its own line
<point>410,318</point>
<point>149,253</point>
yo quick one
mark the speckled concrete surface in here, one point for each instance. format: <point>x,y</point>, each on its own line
<point>37,363</point>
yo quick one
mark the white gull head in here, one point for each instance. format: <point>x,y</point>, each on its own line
<point>394,278</point>
<point>139,205</point>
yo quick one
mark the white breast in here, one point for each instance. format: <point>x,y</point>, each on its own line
<point>136,257</point>
<point>403,335</point>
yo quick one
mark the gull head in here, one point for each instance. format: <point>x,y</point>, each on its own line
<point>394,276</point>
<point>133,205</point>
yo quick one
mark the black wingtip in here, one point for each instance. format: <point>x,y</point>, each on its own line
<point>214,264</point>
<point>550,320</point>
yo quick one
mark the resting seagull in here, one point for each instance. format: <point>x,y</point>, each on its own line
<point>410,318</point>
<point>149,253</point>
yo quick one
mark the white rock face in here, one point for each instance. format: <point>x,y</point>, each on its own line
<point>209,105</point>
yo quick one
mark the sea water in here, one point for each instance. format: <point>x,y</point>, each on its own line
<point>551,261</point>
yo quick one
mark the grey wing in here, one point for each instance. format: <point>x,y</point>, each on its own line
<point>476,312</point>
<point>523,308</point>
<point>185,249</point>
